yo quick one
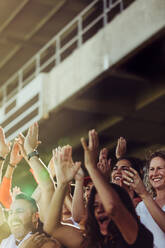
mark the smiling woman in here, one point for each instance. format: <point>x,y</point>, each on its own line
<point>152,212</point>
<point>119,170</point>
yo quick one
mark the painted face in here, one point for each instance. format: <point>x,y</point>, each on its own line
<point>118,171</point>
<point>88,190</point>
<point>157,173</point>
<point>101,216</point>
<point>21,218</point>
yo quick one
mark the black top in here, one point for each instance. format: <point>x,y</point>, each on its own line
<point>144,239</point>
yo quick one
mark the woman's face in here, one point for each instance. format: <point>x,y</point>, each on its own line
<point>157,173</point>
<point>118,171</point>
<point>101,216</point>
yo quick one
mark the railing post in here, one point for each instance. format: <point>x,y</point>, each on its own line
<point>37,71</point>
<point>4,95</point>
<point>20,80</point>
<point>110,4</point>
<point>80,40</point>
<point>58,58</point>
<point>105,12</point>
<point>121,6</point>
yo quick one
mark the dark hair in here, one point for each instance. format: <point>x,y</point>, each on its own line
<point>29,199</point>
<point>136,164</point>
<point>93,238</point>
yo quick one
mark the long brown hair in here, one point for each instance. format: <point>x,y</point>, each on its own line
<point>93,237</point>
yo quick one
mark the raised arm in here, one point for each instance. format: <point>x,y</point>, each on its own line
<point>133,180</point>
<point>41,173</point>
<point>4,150</point>
<point>5,187</point>
<point>4,228</point>
<point>67,235</point>
<point>121,147</point>
<point>125,222</point>
<point>78,204</point>
<point>104,164</point>
<point>52,171</point>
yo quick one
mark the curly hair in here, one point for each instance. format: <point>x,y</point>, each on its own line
<point>160,154</point>
<point>93,237</point>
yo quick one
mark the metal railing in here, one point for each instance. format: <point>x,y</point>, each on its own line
<point>86,24</point>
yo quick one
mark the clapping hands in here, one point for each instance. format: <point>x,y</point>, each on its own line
<point>65,168</point>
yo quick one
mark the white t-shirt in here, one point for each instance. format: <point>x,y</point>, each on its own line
<point>10,241</point>
<point>148,221</point>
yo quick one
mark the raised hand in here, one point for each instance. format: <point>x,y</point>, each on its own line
<point>79,175</point>
<point>104,164</point>
<point>20,141</point>
<point>15,156</point>
<point>91,150</point>
<point>121,147</point>
<point>16,191</point>
<point>4,147</point>
<point>51,167</point>
<point>132,179</point>
<point>31,139</point>
<point>35,241</point>
<point>65,168</point>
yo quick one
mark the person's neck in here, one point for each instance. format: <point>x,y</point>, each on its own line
<point>160,197</point>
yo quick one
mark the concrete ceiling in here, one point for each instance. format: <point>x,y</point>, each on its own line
<point>26,26</point>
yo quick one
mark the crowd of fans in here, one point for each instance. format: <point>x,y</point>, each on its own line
<point>110,208</point>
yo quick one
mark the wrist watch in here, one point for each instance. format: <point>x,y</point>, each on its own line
<point>2,158</point>
<point>33,154</point>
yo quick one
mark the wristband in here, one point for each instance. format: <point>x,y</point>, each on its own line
<point>33,154</point>
<point>2,158</point>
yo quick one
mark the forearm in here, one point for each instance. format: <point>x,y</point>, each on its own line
<point>41,173</point>
<point>5,193</point>
<point>1,169</point>
<point>45,183</point>
<point>78,206</point>
<point>108,196</point>
<point>68,201</point>
<point>2,216</point>
<point>53,217</point>
<point>9,171</point>
<point>156,212</point>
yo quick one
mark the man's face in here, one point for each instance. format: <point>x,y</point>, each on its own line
<point>21,218</point>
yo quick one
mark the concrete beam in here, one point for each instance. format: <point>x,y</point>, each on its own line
<point>48,2</point>
<point>150,95</point>
<point>17,9</point>
<point>101,107</point>
<point>33,32</point>
<point>54,10</point>
<point>127,76</point>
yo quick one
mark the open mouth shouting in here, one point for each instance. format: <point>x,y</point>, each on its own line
<point>103,222</point>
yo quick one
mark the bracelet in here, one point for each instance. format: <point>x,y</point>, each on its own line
<point>2,158</point>
<point>12,166</point>
<point>33,154</point>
